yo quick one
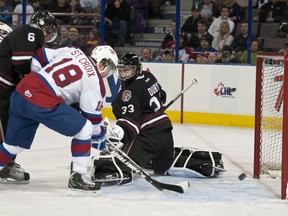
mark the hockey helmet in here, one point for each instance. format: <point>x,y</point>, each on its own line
<point>129,67</point>
<point>5,30</point>
<point>106,59</point>
<point>45,20</point>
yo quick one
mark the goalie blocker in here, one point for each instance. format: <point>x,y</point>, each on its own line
<point>188,162</point>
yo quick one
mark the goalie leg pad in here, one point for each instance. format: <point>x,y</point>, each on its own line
<point>206,163</point>
<point>110,171</point>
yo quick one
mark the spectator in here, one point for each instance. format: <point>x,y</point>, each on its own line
<point>75,7</point>
<point>168,56</point>
<point>74,40</point>
<point>146,55</point>
<point>212,57</point>
<point>45,4</point>
<point>224,15</point>
<point>254,51</point>
<point>92,41</point>
<point>201,53</point>
<point>63,38</point>
<point>272,11</point>
<point>184,51</point>
<point>169,36</point>
<point>208,10</point>
<point>119,13</point>
<point>237,13</point>
<point>139,15</point>
<point>17,19</point>
<point>227,56</point>
<point>224,37</point>
<point>190,26</point>
<point>239,43</point>
<point>36,5</point>
<point>5,18</point>
<point>61,6</point>
<point>107,25</point>
<point>194,41</point>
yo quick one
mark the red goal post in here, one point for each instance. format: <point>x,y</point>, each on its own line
<point>271,118</point>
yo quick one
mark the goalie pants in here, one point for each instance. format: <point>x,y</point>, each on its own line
<point>157,148</point>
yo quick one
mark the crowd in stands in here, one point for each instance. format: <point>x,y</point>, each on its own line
<point>210,32</point>
<point>207,36</point>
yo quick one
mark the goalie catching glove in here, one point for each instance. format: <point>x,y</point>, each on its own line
<point>191,162</point>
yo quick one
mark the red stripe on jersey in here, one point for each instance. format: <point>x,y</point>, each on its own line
<point>40,55</point>
<point>38,92</point>
<point>3,85</point>
<point>6,77</point>
<point>22,53</point>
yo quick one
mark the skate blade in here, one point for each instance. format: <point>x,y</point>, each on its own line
<point>83,193</point>
<point>12,181</point>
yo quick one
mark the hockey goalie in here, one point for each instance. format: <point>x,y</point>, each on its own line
<point>146,132</point>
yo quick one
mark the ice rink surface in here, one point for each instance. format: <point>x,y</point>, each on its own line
<point>47,193</point>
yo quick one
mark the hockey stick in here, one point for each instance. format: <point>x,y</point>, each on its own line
<point>123,157</point>
<point>1,133</point>
<point>194,81</point>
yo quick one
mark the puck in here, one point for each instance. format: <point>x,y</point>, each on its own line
<point>242,176</point>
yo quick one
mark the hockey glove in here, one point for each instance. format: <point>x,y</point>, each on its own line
<point>115,133</point>
<point>99,141</point>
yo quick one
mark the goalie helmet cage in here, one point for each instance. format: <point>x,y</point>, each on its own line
<point>271,118</point>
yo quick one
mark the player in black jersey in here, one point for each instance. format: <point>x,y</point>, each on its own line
<point>16,53</point>
<point>142,126</point>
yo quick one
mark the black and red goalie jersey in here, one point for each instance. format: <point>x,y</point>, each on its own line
<point>138,107</point>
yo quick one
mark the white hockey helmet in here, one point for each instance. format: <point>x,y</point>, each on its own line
<point>5,30</point>
<point>106,59</point>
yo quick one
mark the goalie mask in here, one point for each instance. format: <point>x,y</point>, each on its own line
<point>5,30</point>
<point>106,60</point>
<point>129,67</point>
<point>45,21</point>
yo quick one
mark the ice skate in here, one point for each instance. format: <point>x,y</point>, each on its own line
<point>13,173</point>
<point>81,184</point>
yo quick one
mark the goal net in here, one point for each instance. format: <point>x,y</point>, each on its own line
<point>271,119</point>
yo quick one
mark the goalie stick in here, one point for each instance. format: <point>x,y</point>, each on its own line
<point>194,81</point>
<point>123,157</point>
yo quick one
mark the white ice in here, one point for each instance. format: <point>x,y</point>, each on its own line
<point>47,193</point>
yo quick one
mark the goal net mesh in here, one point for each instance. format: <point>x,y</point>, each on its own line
<point>271,119</point>
<point>271,115</point>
